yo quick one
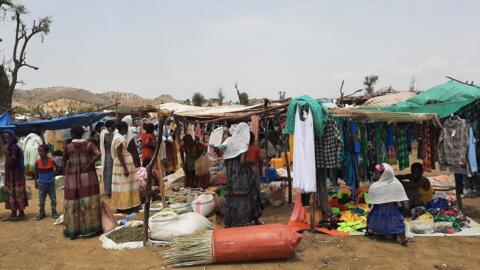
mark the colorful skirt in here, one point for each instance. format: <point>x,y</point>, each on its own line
<point>125,194</point>
<point>82,212</point>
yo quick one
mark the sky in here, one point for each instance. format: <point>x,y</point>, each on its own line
<point>302,47</point>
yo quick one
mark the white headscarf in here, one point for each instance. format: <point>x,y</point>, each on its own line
<point>387,188</point>
<point>131,130</point>
<point>238,143</point>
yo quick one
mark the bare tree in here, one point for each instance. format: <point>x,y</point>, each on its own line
<point>411,88</point>
<point>220,96</point>
<point>369,82</point>
<point>23,35</point>
<point>242,97</point>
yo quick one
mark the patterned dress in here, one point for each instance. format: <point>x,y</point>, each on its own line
<point>82,211</point>
<point>125,193</point>
<point>242,196</point>
<point>15,186</point>
<point>108,163</point>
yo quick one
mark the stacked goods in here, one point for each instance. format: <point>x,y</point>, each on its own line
<point>254,243</point>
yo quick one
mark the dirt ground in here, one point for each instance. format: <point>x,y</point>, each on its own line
<point>34,244</point>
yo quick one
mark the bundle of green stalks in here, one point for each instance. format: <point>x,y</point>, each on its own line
<point>189,250</point>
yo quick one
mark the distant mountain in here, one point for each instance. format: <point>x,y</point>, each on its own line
<point>64,98</point>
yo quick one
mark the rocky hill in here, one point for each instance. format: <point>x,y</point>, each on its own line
<point>62,99</point>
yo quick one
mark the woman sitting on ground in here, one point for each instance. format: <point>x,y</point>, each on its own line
<point>385,217</point>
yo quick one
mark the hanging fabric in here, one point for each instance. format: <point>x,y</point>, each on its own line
<point>304,176</point>
<point>255,126</point>
<point>453,145</point>
<point>402,148</point>
<point>318,110</point>
<point>329,146</point>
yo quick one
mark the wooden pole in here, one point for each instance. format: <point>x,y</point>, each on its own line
<point>148,192</point>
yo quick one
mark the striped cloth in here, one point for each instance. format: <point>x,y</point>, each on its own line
<point>124,188</point>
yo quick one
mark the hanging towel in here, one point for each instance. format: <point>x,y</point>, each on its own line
<point>320,114</point>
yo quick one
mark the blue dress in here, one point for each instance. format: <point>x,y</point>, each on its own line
<point>385,219</point>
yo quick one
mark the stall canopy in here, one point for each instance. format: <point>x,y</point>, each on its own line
<point>206,114</point>
<point>64,122</point>
<point>442,100</point>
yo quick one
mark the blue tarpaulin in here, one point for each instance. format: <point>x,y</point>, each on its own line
<point>64,122</point>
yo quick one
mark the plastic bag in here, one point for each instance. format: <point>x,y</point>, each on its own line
<point>253,243</point>
<point>166,226</point>
<point>422,226</point>
<point>108,220</point>
<point>202,165</point>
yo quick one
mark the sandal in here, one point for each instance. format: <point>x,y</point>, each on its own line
<point>40,217</point>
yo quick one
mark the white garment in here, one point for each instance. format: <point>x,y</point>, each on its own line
<point>238,143</point>
<point>304,174</point>
<point>216,137</point>
<point>102,145</point>
<point>30,147</point>
<point>386,189</point>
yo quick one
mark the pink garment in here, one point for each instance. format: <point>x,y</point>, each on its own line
<point>298,213</point>
<point>141,177</point>
<point>255,126</point>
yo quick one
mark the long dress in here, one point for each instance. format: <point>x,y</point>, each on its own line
<point>82,213</point>
<point>242,196</point>
<point>125,193</point>
<point>107,163</point>
<point>15,185</point>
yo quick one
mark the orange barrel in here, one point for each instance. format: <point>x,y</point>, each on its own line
<point>254,243</point>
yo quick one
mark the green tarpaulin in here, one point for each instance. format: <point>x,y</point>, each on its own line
<point>442,100</point>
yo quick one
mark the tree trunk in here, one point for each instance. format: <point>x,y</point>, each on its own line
<point>5,92</point>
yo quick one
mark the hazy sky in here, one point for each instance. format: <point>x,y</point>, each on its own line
<point>303,47</point>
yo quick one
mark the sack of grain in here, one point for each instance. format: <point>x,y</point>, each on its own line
<point>167,227</point>
<point>204,204</point>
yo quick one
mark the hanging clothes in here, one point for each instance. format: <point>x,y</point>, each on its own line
<point>304,176</point>
<point>255,126</point>
<point>453,144</point>
<point>472,157</point>
<point>391,147</point>
<point>426,147</point>
<point>401,142</point>
<point>329,146</point>
<point>319,111</point>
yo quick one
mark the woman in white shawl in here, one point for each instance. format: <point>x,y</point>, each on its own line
<point>132,141</point>
<point>242,196</point>
<point>385,217</point>
<point>30,148</point>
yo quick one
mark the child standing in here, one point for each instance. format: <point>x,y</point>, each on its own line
<point>45,175</point>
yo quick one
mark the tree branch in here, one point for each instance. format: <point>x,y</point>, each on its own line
<point>30,66</point>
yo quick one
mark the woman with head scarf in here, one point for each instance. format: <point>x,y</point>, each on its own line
<point>132,147</point>
<point>125,194</point>
<point>242,195</point>
<point>15,186</point>
<point>190,151</point>
<point>82,211</point>
<point>386,194</point>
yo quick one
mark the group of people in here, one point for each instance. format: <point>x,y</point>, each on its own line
<point>392,198</point>
<point>118,151</point>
